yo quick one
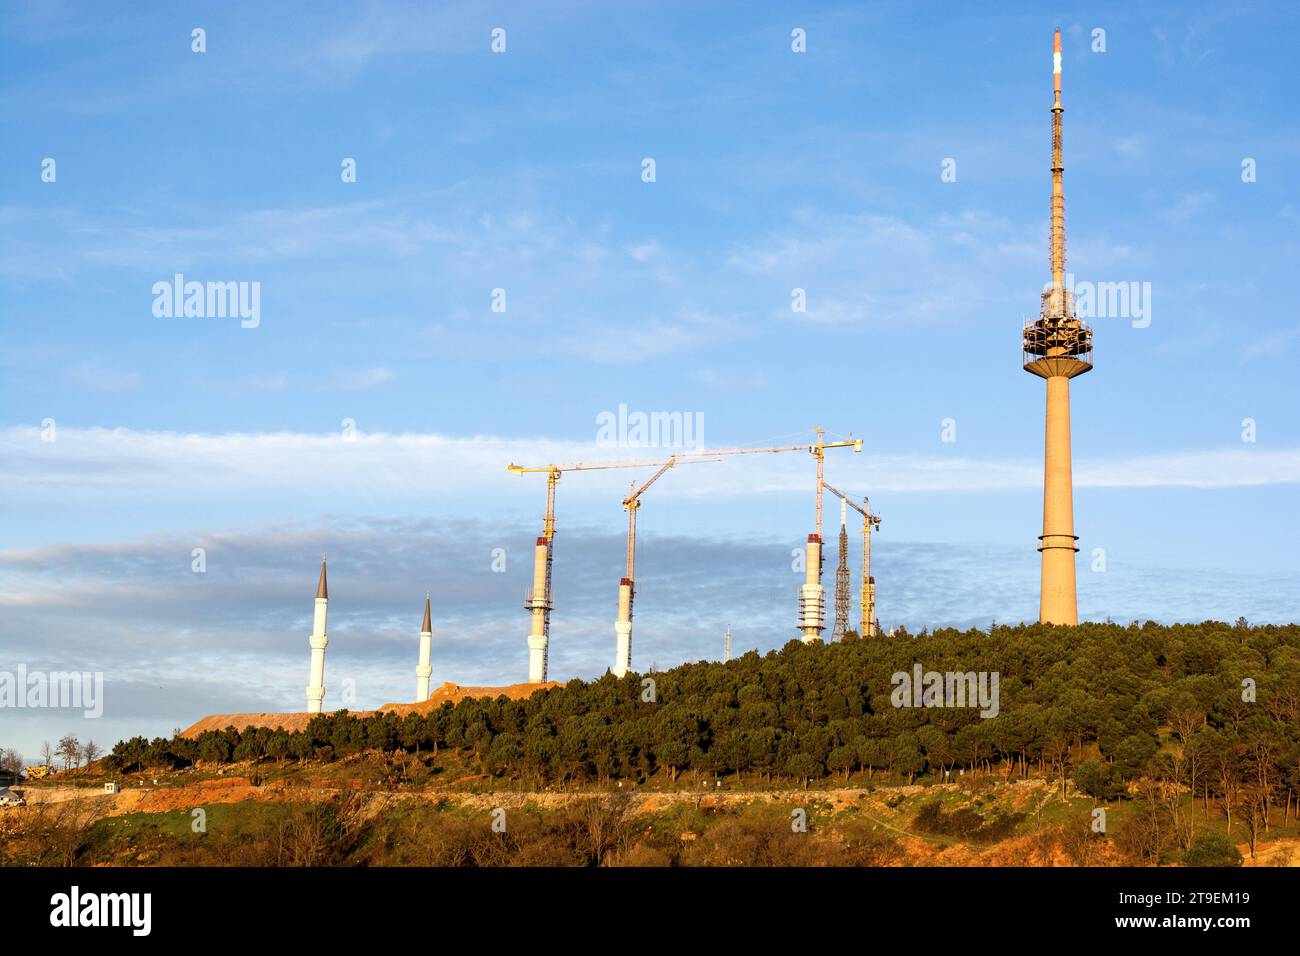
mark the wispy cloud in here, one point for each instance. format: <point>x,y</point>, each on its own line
<point>176,645</point>
<point>354,380</point>
<point>97,461</point>
<point>861,268</point>
<point>1188,206</point>
<point>729,379</point>
<point>101,378</point>
<point>652,338</point>
<point>1271,344</point>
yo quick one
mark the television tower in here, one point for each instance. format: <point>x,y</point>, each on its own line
<point>1057,346</point>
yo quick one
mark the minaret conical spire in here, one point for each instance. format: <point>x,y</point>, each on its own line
<point>428,626</point>
<point>322,590</point>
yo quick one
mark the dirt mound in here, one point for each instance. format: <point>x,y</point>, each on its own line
<point>454,693</point>
<point>294,722</point>
<point>289,722</point>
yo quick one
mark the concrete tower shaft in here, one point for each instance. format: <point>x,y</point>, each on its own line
<point>538,603</point>
<point>623,629</point>
<point>1057,346</point>
<point>627,591</point>
<point>811,618</point>
<point>1057,594</point>
<point>812,600</point>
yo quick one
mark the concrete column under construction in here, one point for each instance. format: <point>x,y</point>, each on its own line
<point>871,627</point>
<point>623,629</point>
<point>539,604</point>
<point>317,642</point>
<point>812,601</point>
<point>868,582</point>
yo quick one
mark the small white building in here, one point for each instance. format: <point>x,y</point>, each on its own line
<point>112,787</point>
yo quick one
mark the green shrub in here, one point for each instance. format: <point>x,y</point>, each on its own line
<point>1212,849</point>
<point>1098,779</point>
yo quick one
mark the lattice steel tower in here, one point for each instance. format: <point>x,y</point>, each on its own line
<point>842,585</point>
<point>1057,346</point>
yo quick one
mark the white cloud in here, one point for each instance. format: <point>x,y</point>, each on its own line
<point>124,463</point>
<point>1188,206</point>
<point>101,378</point>
<point>862,268</point>
<point>269,383</point>
<point>641,340</point>
<point>1271,345</point>
<point>643,251</point>
<point>355,380</point>
<point>729,379</point>
<point>1132,147</point>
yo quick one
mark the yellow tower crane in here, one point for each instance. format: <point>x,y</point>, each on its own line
<point>627,586</point>
<point>868,625</point>
<point>538,600</point>
<point>812,604</point>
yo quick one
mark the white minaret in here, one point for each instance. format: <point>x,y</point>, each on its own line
<point>318,640</point>
<point>423,671</point>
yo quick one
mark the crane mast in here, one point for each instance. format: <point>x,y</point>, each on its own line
<point>539,603</point>
<point>627,584</point>
<point>538,600</point>
<point>868,626</point>
<point>811,612</point>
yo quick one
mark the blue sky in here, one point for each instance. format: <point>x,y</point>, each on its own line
<point>523,171</point>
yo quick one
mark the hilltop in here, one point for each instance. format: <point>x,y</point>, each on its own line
<point>1186,737</point>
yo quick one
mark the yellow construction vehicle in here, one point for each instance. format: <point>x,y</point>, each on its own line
<point>40,771</point>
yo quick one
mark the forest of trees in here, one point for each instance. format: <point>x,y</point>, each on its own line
<point>1213,708</point>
